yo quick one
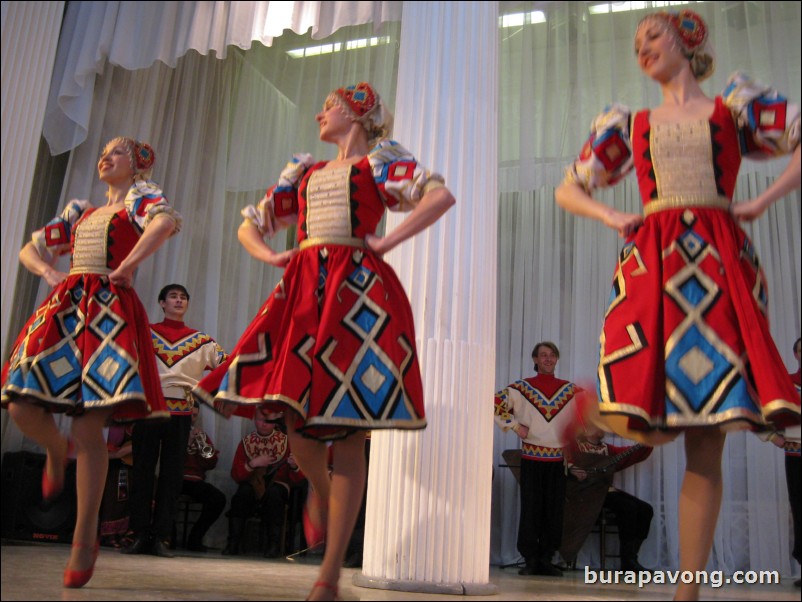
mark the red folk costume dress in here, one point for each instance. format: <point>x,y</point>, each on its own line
<point>335,341</point>
<point>686,340</point>
<point>88,345</point>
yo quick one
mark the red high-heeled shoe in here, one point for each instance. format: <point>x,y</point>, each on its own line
<point>51,489</point>
<point>75,579</point>
<point>315,534</point>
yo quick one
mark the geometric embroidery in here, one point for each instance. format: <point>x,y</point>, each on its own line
<point>548,407</point>
<point>263,355</point>
<point>698,372</point>
<point>171,352</point>
<point>530,451</point>
<point>759,291</point>
<point>692,244</point>
<point>637,341</point>
<point>110,371</point>
<point>372,386</point>
<point>61,370</point>
<point>619,289</point>
<point>703,374</point>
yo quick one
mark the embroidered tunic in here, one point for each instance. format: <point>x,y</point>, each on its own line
<point>685,340</point>
<point>276,447</point>
<point>183,354</point>
<point>335,340</point>
<point>82,347</point>
<point>538,403</point>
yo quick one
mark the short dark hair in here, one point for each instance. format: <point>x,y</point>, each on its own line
<point>548,344</point>
<point>796,343</point>
<point>172,287</point>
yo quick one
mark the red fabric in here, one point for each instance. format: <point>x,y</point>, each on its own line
<point>172,330</point>
<point>77,298</point>
<point>645,320</point>
<point>300,347</point>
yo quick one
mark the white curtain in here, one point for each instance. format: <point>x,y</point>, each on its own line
<point>27,63</point>
<point>555,270</point>
<point>222,130</point>
<point>134,35</point>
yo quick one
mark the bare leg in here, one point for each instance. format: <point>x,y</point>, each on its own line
<point>699,503</point>
<point>347,488</point>
<point>343,490</point>
<point>92,465</point>
<point>38,424</point>
<point>312,458</point>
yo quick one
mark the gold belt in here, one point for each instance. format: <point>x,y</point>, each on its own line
<point>91,270</point>
<point>685,202</point>
<point>347,241</point>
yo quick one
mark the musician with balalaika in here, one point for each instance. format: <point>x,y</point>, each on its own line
<point>591,465</point>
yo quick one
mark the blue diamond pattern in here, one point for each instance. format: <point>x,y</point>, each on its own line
<point>111,384</point>
<point>58,384</point>
<point>692,243</point>
<point>697,393</point>
<point>693,291</point>
<point>366,319</point>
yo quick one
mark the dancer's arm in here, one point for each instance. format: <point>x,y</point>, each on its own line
<point>573,198</point>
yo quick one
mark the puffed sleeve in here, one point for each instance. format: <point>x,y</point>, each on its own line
<point>768,125</point>
<point>145,201</point>
<point>401,180</point>
<point>503,409</point>
<point>279,207</point>
<point>54,239</point>
<point>606,157</point>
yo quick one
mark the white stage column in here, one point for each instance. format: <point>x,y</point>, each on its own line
<point>30,33</point>
<point>428,514</point>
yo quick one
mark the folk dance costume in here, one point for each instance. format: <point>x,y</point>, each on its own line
<point>183,355</point>
<point>539,403</point>
<point>335,340</point>
<point>685,340</point>
<point>83,347</point>
<point>265,489</point>
<point>201,456</point>
<point>632,515</point>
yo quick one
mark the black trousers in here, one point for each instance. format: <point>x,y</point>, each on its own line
<point>793,474</point>
<point>244,504</point>
<point>213,501</point>
<point>162,442</point>
<point>633,516</point>
<point>542,501</point>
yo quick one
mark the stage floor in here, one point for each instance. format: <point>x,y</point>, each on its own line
<point>31,571</point>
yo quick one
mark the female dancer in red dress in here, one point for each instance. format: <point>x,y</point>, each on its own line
<point>686,344</point>
<point>80,352</point>
<point>334,345</point>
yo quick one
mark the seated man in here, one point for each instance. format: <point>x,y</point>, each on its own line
<point>265,470</point>
<point>201,456</point>
<point>592,463</point>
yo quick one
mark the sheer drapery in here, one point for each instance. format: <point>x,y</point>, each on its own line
<point>134,35</point>
<point>27,62</point>
<point>222,131</point>
<point>555,270</point>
